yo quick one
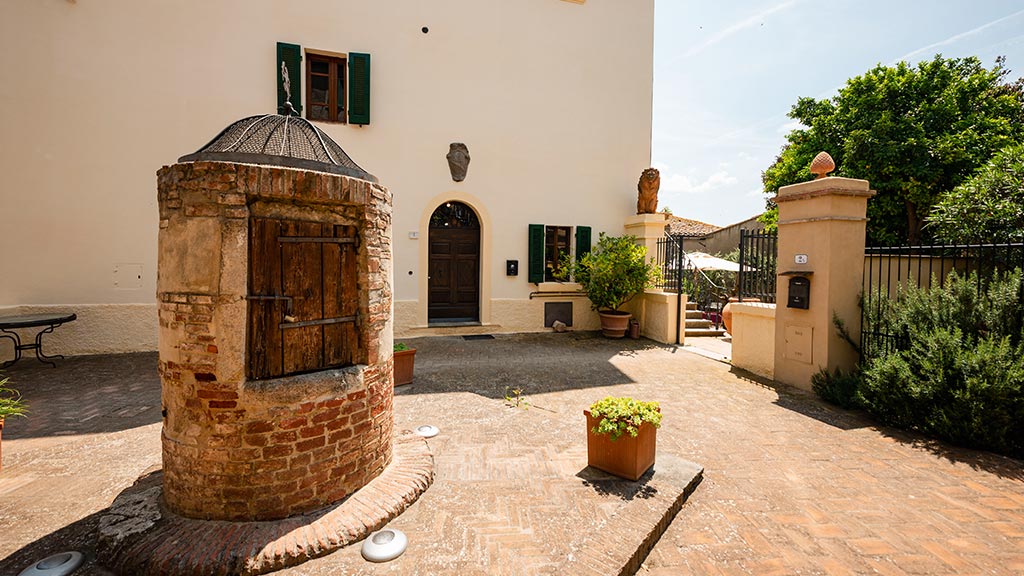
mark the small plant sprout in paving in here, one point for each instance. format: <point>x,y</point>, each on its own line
<point>514,398</point>
<point>619,416</point>
<point>10,401</point>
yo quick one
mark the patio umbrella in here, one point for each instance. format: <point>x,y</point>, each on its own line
<point>703,261</point>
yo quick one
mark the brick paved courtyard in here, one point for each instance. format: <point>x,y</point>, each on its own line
<point>790,485</point>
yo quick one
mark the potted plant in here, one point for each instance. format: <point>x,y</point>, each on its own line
<point>405,357</point>
<point>621,436</point>
<point>610,275</point>
<point>10,405</point>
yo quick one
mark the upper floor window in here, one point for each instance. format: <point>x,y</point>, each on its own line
<point>337,85</point>
<point>325,99</point>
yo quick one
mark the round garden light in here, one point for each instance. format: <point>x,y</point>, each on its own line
<point>56,565</point>
<point>427,430</point>
<point>384,545</point>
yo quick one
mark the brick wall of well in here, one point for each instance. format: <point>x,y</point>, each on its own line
<point>257,450</point>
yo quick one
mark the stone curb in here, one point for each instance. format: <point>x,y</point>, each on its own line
<point>138,536</point>
<point>622,543</point>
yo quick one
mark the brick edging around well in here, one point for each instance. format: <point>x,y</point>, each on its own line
<point>138,536</point>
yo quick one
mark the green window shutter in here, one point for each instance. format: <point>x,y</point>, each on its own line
<point>582,241</point>
<point>290,57</point>
<point>358,88</point>
<point>536,253</point>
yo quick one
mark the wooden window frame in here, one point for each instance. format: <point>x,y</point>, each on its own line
<point>555,258</point>
<point>337,69</point>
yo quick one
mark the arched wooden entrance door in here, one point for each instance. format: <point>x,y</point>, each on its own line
<point>453,279</point>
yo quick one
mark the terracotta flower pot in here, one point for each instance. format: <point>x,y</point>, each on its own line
<point>404,361</point>
<point>614,324</point>
<point>727,311</point>
<point>627,457</point>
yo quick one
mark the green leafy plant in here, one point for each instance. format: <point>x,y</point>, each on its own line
<point>954,367</point>
<point>839,388</point>
<point>618,416</point>
<point>10,401</point>
<point>401,347</point>
<point>613,272</point>
<point>913,131</point>
<point>988,207</point>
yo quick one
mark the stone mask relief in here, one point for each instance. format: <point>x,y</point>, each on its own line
<point>458,160</point>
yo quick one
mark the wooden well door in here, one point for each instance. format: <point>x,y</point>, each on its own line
<point>454,264</point>
<point>303,300</point>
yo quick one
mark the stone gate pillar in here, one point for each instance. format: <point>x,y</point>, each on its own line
<point>648,229</point>
<point>821,252</point>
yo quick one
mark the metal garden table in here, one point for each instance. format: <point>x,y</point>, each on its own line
<point>48,323</point>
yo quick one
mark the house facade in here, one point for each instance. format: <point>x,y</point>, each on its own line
<point>509,133</point>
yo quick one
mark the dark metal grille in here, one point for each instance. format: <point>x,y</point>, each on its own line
<point>277,140</point>
<point>890,270</point>
<point>759,251</point>
<point>680,276</point>
<point>454,215</point>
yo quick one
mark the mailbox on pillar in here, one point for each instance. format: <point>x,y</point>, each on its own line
<point>799,293</point>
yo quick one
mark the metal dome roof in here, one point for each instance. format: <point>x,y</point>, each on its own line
<point>276,140</point>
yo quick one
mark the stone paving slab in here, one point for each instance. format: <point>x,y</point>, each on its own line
<point>512,493</point>
<point>791,485</point>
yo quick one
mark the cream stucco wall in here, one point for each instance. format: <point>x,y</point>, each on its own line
<point>657,313</point>
<point>824,221</point>
<point>753,337</point>
<point>552,98</point>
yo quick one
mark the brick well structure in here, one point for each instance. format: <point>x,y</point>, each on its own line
<point>275,338</point>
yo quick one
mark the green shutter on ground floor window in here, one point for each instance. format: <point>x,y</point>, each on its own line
<point>536,253</point>
<point>358,88</point>
<point>290,57</point>
<point>582,241</point>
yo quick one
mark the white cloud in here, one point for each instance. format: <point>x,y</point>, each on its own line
<point>927,51</point>
<point>744,156</point>
<point>680,184</point>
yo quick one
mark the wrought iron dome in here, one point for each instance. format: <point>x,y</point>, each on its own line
<point>276,140</point>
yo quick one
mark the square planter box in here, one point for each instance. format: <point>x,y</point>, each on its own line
<point>404,361</point>
<point>627,457</point>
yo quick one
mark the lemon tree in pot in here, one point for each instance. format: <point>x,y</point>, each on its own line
<point>10,405</point>
<point>611,274</point>
<point>622,435</point>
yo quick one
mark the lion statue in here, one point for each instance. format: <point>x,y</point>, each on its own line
<point>647,201</point>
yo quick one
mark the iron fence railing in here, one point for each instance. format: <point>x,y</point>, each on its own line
<point>890,270</point>
<point>758,258</point>
<point>680,276</point>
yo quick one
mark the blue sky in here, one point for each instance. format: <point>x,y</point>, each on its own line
<point>726,74</point>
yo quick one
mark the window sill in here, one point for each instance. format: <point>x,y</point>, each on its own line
<point>559,287</point>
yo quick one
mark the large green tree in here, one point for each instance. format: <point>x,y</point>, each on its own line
<point>988,207</point>
<point>913,131</point>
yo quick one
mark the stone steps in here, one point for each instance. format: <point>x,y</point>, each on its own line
<point>690,333</point>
